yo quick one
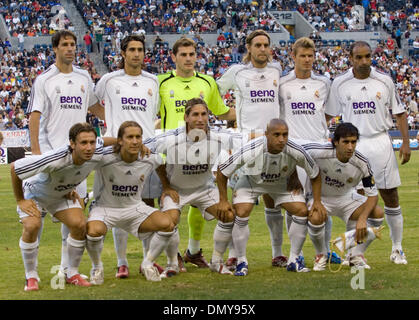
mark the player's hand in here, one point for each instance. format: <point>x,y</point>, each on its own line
<point>145,151</point>
<point>361,230</point>
<point>29,207</point>
<point>318,212</point>
<point>74,196</point>
<point>404,153</point>
<point>225,211</point>
<point>293,184</point>
<point>171,193</point>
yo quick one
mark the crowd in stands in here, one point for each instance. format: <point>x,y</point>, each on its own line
<point>18,69</point>
<point>33,18</point>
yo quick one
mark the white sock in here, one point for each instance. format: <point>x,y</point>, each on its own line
<point>120,239</point>
<point>75,250</point>
<point>30,258</point>
<point>275,221</point>
<point>328,233</point>
<point>158,243</point>
<point>375,223</point>
<point>173,248</point>
<point>231,251</point>
<point>146,245</point>
<point>395,223</point>
<point>317,234</point>
<point>65,231</point>
<point>297,235</point>
<point>240,236</point>
<point>194,246</point>
<point>222,238</point>
<point>41,229</point>
<point>94,247</point>
<point>361,248</point>
<point>288,220</point>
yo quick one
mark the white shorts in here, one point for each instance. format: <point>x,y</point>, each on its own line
<point>343,206</point>
<point>51,207</point>
<point>152,187</point>
<point>81,189</point>
<point>128,219</point>
<point>247,191</point>
<point>379,151</point>
<point>201,198</point>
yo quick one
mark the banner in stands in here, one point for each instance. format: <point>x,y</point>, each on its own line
<point>16,138</point>
<point>3,155</point>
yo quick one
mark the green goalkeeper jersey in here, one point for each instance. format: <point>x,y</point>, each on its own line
<point>176,91</point>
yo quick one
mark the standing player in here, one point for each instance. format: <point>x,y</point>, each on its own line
<point>341,169</point>
<point>303,99</point>
<point>367,98</point>
<point>49,178</point>
<point>176,88</point>
<point>131,93</point>
<point>60,98</point>
<point>191,152</point>
<point>269,161</point>
<point>117,190</point>
<point>255,85</point>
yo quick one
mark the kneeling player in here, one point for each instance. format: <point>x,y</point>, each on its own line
<point>341,169</point>
<point>50,177</point>
<point>268,163</point>
<point>191,152</point>
<point>117,190</point>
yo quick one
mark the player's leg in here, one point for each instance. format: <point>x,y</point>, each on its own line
<point>196,228</point>
<point>275,221</point>
<point>394,218</point>
<point>96,231</point>
<point>297,234</point>
<point>29,245</point>
<point>74,219</point>
<point>316,231</point>
<point>240,235</point>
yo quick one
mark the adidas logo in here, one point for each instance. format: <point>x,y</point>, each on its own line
<point>364,88</point>
<point>70,82</point>
<point>339,170</point>
<point>274,163</point>
<point>135,84</point>
<point>262,77</point>
<point>187,88</point>
<point>197,153</point>
<point>303,88</point>
<point>128,173</point>
<point>77,173</point>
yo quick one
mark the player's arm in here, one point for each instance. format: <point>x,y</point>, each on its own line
<point>98,110</point>
<point>34,120</point>
<point>167,188</point>
<point>404,152</point>
<point>230,115</point>
<point>317,208</point>
<point>224,207</point>
<point>361,224</point>
<point>27,206</point>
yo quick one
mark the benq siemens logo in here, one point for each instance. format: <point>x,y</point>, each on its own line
<point>136,104</point>
<point>303,108</point>
<point>366,107</point>
<point>258,96</point>
<point>71,102</point>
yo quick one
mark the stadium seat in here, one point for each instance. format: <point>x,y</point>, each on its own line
<point>282,43</point>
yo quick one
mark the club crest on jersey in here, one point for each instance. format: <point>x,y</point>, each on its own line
<point>150,92</point>
<point>378,95</point>
<point>285,168</point>
<point>275,83</point>
<point>348,98</point>
<point>111,178</point>
<point>317,94</point>
<point>118,90</point>
<point>247,84</point>
<point>57,89</point>
<point>201,95</point>
<point>142,178</point>
<point>172,94</point>
<point>82,88</point>
<point>350,180</point>
<point>288,96</point>
<point>372,180</point>
<point>61,180</point>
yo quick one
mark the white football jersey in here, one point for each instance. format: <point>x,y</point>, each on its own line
<point>267,168</point>
<point>119,184</point>
<point>129,98</point>
<point>338,178</point>
<point>365,103</point>
<point>52,175</point>
<point>63,100</point>
<point>303,106</point>
<point>189,164</point>
<point>256,92</point>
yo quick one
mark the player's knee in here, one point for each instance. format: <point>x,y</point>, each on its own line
<point>93,230</point>
<point>377,213</point>
<point>167,224</point>
<point>78,226</point>
<point>315,220</point>
<point>32,226</point>
<point>242,211</point>
<point>390,197</point>
<point>300,211</point>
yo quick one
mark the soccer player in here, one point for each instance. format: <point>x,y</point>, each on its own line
<point>176,88</point>
<point>191,152</point>
<point>60,97</point>
<point>303,98</point>
<point>341,169</point>
<point>255,84</point>
<point>269,161</point>
<point>48,179</point>
<point>368,98</point>
<point>131,93</point>
<point>117,191</point>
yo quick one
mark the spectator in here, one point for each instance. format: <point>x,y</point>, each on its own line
<point>88,42</point>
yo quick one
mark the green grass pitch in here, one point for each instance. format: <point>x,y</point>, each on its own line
<point>384,281</point>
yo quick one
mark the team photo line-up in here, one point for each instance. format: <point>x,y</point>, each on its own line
<point>279,150</point>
